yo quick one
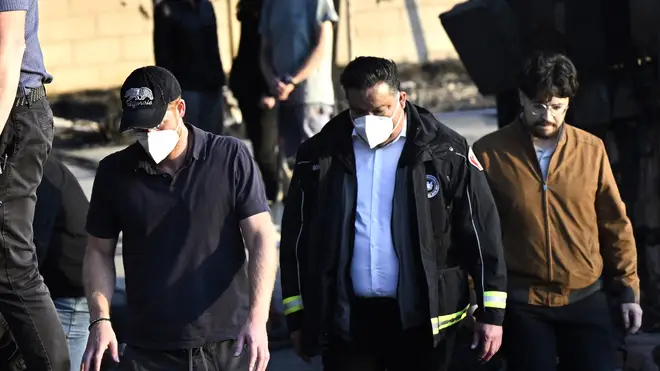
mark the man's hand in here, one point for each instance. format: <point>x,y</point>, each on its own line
<point>296,340</point>
<point>284,90</point>
<point>632,317</point>
<point>255,336</point>
<point>274,86</point>
<point>101,337</point>
<point>267,102</point>
<point>491,340</point>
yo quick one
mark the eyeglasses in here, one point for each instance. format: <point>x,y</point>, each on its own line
<point>143,130</point>
<point>555,110</point>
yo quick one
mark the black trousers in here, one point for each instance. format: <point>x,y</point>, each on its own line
<point>380,344</point>
<point>261,128</point>
<point>25,301</point>
<point>211,357</point>
<point>578,334</point>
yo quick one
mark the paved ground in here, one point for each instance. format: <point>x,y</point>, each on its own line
<point>471,124</point>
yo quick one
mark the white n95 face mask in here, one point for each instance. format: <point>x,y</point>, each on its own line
<point>376,129</point>
<point>158,143</point>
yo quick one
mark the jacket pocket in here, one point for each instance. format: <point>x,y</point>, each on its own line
<point>453,298</point>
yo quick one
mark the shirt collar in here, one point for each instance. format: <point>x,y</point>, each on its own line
<point>198,140</point>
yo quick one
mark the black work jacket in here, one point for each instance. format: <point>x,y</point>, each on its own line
<point>453,221</point>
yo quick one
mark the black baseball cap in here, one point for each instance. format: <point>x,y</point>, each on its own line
<point>145,95</point>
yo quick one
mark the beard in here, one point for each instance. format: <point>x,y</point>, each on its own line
<point>543,129</point>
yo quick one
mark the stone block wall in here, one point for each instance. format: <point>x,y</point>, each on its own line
<point>94,44</point>
<point>403,30</point>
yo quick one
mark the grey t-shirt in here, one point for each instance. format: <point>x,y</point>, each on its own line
<point>291,27</point>
<point>33,72</point>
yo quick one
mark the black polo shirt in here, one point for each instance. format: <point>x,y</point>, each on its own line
<point>184,257</point>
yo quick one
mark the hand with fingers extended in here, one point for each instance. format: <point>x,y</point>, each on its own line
<point>101,338</point>
<point>490,337</point>
<point>254,338</point>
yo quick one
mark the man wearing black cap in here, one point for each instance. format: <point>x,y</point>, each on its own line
<point>185,200</point>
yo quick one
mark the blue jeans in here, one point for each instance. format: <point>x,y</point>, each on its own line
<point>74,315</point>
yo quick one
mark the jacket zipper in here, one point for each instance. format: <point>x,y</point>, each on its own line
<point>394,246</point>
<point>351,249</point>
<point>302,220</point>
<point>546,212</point>
<point>547,229</point>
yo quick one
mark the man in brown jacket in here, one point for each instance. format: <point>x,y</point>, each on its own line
<point>564,227</point>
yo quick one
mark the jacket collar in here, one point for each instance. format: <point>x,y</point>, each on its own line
<point>526,138</point>
<point>526,143</point>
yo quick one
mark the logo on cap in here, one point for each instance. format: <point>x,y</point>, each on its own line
<point>135,97</point>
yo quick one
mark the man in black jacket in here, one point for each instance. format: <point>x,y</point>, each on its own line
<point>387,215</point>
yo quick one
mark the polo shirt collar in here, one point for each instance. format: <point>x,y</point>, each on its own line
<point>197,140</point>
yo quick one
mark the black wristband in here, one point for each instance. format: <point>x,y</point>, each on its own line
<point>91,324</point>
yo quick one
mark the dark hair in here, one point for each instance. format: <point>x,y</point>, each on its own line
<point>546,75</point>
<point>365,72</point>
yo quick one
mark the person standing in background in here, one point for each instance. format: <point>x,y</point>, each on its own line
<point>296,60</point>
<point>186,43</point>
<point>26,124</point>
<point>254,99</point>
<point>61,240</point>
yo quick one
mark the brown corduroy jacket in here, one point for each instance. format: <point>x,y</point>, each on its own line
<point>565,235</point>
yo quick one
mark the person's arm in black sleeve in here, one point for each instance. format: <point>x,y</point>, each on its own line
<point>213,48</point>
<point>478,230</point>
<point>48,210</point>
<point>73,216</point>
<point>477,225</point>
<point>164,41</point>
<point>293,240</point>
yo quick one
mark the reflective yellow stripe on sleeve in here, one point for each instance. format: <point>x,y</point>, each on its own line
<point>292,304</point>
<point>442,322</point>
<point>495,299</point>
